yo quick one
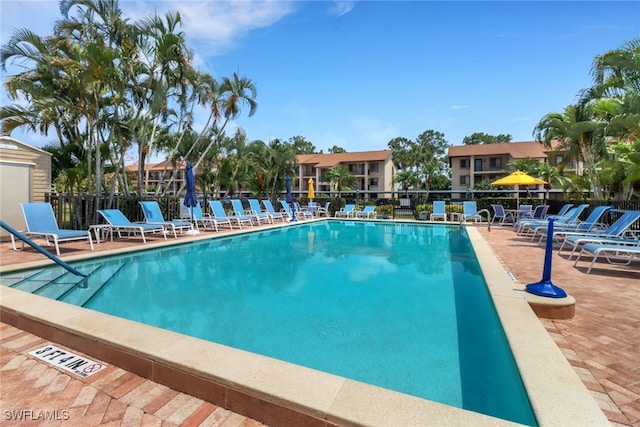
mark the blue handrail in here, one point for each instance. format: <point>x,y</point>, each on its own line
<point>40,249</point>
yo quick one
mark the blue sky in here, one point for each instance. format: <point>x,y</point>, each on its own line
<point>358,73</point>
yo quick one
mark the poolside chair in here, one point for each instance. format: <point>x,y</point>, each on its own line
<point>240,214</point>
<point>439,210</point>
<point>500,215</point>
<point>41,222</point>
<point>616,233</point>
<point>591,223</point>
<point>539,214</point>
<point>616,254</point>
<point>368,212</point>
<point>302,212</point>
<point>563,210</point>
<point>220,215</point>
<point>530,227</point>
<point>345,212</point>
<point>470,212</point>
<point>324,209</point>
<point>200,218</point>
<point>153,215</point>
<point>284,216</point>
<point>257,213</point>
<point>119,223</point>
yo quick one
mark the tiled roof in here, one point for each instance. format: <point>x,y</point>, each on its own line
<point>331,160</point>
<point>517,150</point>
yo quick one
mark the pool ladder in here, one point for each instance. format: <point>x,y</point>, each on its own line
<point>488,218</point>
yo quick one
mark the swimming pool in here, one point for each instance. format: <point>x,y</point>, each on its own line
<point>427,328</point>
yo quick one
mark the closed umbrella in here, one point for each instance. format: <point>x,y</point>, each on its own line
<point>312,193</point>
<point>517,179</point>
<point>289,198</point>
<point>190,199</point>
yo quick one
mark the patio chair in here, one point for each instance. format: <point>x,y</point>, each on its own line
<point>528,227</point>
<point>41,222</point>
<point>257,213</point>
<point>200,218</point>
<point>153,215</point>
<point>616,233</point>
<point>616,254</point>
<point>239,214</point>
<point>500,215</point>
<point>284,216</point>
<point>470,212</point>
<point>591,223</point>
<point>324,209</point>
<point>118,222</point>
<point>439,210</point>
<point>368,212</point>
<point>219,213</point>
<point>306,213</point>
<point>345,212</point>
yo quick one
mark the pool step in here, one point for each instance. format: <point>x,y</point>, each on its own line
<point>58,283</point>
<point>33,281</point>
<point>79,295</point>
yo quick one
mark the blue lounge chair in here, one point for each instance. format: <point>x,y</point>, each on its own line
<point>346,212</point>
<point>615,254</point>
<point>540,214</point>
<point>439,210</point>
<point>239,215</point>
<point>153,215</point>
<point>470,212</point>
<point>257,213</point>
<point>118,222</point>
<point>284,216</point>
<point>289,209</point>
<point>368,212</point>
<point>571,218</point>
<point>591,223</point>
<point>41,222</point>
<point>614,234</point>
<point>220,215</point>
<point>199,218</point>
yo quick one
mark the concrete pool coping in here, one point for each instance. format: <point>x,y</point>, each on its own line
<point>280,393</point>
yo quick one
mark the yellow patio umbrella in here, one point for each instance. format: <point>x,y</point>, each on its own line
<point>517,179</point>
<point>312,194</point>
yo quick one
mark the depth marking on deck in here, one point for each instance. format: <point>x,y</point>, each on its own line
<point>70,362</point>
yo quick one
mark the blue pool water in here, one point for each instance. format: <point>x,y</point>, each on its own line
<point>396,305</point>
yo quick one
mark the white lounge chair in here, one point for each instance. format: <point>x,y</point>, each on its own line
<point>368,212</point>
<point>117,223</point>
<point>41,222</point>
<point>346,212</point>
<point>616,254</point>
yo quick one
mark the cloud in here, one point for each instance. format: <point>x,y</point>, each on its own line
<point>342,7</point>
<point>214,26</point>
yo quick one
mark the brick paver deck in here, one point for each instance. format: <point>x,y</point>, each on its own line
<point>602,343</point>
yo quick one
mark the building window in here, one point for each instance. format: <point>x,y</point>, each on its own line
<point>373,182</point>
<point>373,167</point>
<point>495,162</point>
<point>465,163</point>
<point>465,180</point>
<point>559,160</point>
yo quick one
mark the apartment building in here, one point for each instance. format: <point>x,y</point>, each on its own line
<point>374,171</point>
<point>471,164</point>
<point>156,176</point>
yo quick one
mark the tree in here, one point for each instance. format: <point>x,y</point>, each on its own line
<point>407,179</point>
<point>301,145</point>
<point>340,177</point>
<point>484,138</point>
<point>336,150</point>
<point>527,165</point>
<point>426,156</point>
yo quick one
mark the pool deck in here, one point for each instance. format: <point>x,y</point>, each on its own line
<point>601,343</point>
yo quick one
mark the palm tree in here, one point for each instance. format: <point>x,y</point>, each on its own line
<point>407,179</point>
<point>340,177</point>
<point>527,165</point>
